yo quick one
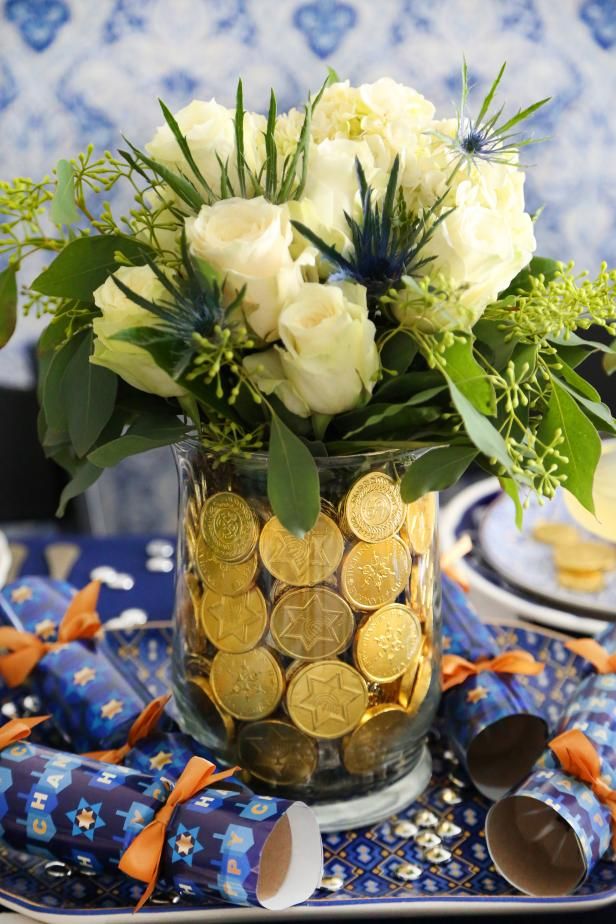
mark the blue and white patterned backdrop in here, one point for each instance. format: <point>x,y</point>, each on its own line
<point>75,71</point>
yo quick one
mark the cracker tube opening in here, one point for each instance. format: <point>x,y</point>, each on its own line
<point>292,860</point>
<point>534,847</point>
<point>501,755</point>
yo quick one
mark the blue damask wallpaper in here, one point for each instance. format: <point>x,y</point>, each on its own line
<point>75,71</point>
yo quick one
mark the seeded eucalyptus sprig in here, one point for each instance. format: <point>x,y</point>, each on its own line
<point>485,137</point>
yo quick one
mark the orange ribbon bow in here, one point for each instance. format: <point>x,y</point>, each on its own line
<point>144,725</point>
<point>588,648</point>
<point>18,729</point>
<point>142,857</point>
<point>26,649</point>
<point>456,670</point>
<point>578,757</point>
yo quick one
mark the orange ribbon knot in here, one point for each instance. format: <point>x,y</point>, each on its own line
<point>142,727</point>
<point>142,857</point>
<point>18,729</point>
<point>80,621</point>
<point>578,757</point>
<point>456,670</point>
<point>588,648</point>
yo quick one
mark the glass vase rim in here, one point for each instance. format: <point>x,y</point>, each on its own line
<point>260,457</point>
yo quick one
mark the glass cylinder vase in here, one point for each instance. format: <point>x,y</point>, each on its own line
<point>312,663</point>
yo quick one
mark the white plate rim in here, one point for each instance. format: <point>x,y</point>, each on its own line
<point>450,517</point>
<point>5,559</point>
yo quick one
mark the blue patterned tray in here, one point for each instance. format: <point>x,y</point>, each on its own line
<point>365,869</point>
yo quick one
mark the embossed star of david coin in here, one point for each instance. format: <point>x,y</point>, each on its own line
<point>311,623</point>
<point>373,574</point>
<point>223,577</point>
<point>379,737</point>
<point>326,699</point>
<point>229,526</point>
<point>250,685</point>
<point>201,698</point>
<point>373,508</point>
<point>234,624</point>
<point>300,562</point>
<point>387,642</point>
<point>276,752</point>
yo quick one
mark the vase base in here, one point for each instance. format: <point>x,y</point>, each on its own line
<point>376,806</point>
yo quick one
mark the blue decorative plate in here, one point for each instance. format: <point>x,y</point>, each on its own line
<point>529,564</point>
<point>365,869</point>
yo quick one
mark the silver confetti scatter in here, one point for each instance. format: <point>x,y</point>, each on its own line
<point>438,855</point>
<point>450,797</point>
<point>121,581</point>
<point>424,818</point>
<point>159,548</point>
<point>448,829</point>
<point>159,565</point>
<point>332,883</point>
<point>103,573</point>
<point>408,871</point>
<point>427,839</point>
<point>405,829</point>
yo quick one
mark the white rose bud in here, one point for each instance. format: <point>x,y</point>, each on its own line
<point>329,360</point>
<point>209,130</point>
<point>247,241</point>
<point>130,362</point>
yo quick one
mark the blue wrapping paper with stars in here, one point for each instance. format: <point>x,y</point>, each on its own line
<point>489,715</point>
<point>87,813</point>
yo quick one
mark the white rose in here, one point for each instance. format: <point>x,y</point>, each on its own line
<point>248,240</point>
<point>488,238</point>
<point>210,132</point>
<point>329,358</point>
<point>130,362</point>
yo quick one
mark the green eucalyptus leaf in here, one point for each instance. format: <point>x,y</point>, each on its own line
<point>435,470</point>
<point>581,447</point>
<point>63,209</point>
<point>576,381</point>
<point>52,393</point>
<point>524,359</point>
<point>84,477</point>
<point>510,487</point>
<point>521,284</point>
<point>469,376</point>
<point>489,334</point>
<point>574,340</point>
<point>382,419</point>
<point>397,354</point>
<point>89,394</point>
<point>85,263</point>
<point>148,432</point>
<point>402,387</point>
<point>168,352</point>
<point>596,411</point>
<point>8,303</point>
<point>479,429</point>
<point>292,480</point>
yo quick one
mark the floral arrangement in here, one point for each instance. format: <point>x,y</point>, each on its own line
<point>355,276</point>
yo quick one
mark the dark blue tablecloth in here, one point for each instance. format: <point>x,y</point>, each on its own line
<point>153,591</point>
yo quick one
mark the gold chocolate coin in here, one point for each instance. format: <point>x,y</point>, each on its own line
<point>555,533</point>
<point>249,685</point>
<point>379,737</point>
<point>277,752</point>
<point>585,556</point>
<point>234,624</point>
<point>586,581</point>
<point>306,561</point>
<point>422,684</point>
<point>374,573</point>
<point>312,623</point>
<point>326,699</point>
<point>203,702</point>
<point>419,523</point>
<point>407,682</point>
<point>373,509</point>
<point>229,526</point>
<point>387,642</point>
<point>225,577</point>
